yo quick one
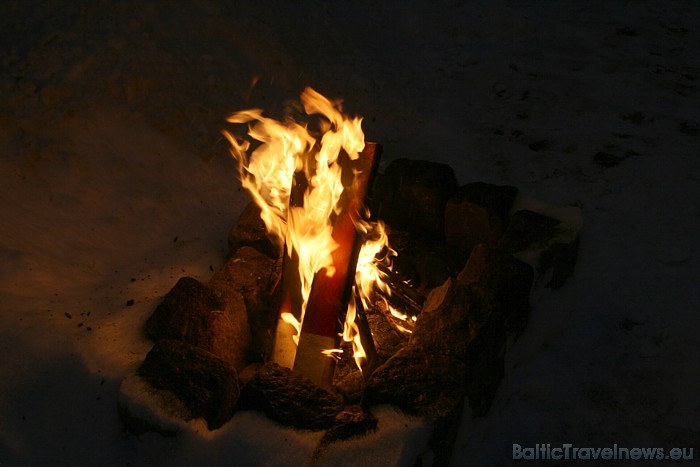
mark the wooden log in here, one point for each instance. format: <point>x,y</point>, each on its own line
<point>329,296</point>
<point>371,357</point>
<point>403,296</point>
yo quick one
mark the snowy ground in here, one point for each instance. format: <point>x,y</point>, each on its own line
<point>114,182</point>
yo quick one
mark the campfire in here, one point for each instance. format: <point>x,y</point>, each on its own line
<point>310,186</point>
<point>347,288</point>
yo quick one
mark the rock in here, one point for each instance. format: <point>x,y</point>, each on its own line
<point>546,237</point>
<point>427,376</point>
<point>425,265</point>
<point>501,286</point>
<point>249,273</point>
<point>290,398</point>
<point>249,230</point>
<point>419,382</point>
<point>205,384</point>
<point>449,328</point>
<point>195,313</point>
<point>248,373</point>
<point>459,340</point>
<point>411,196</point>
<point>503,282</point>
<point>527,228</point>
<point>252,275</point>
<point>350,386</point>
<point>478,213</point>
<point>468,224</point>
<point>437,297</point>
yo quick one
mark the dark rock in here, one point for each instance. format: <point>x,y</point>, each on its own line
<point>501,286</point>
<point>419,382</point>
<point>411,196</point>
<point>497,199</point>
<point>206,384</point>
<point>251,274</point>
<point>427,376</point>
<point>458,342</point>
<point>350,386</point>
<point>424,265</point>
<point>526,229</point>
<point>478,213</point>
<point>468,224</point>
<point>448,328</point>
<point>503,283</point>
<point>290,398</point>
<point>195,313</point>
<point>249,230</point>
<point>547,242</point>
<point>248,372</point>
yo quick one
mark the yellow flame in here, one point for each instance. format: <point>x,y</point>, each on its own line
<point>290,319</point>
<point>285,149</point>
<point>333,353</point>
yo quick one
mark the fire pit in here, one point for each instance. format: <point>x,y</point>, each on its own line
<point>346,289</point>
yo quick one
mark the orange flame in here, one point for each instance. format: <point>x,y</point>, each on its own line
<point>284,149</point>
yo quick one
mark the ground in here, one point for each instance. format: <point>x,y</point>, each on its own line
<point>115,181</point>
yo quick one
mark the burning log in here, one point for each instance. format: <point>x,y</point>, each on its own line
<point>371,360</point>
<point>402,295</point>
<point>330,294</point>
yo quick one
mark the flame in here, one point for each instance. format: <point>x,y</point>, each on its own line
<point>283,152</point>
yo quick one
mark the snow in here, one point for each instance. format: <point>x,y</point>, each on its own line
<point>114,182</point>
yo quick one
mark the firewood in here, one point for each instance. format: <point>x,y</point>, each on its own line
<point>329,296</point>
<point>403,296</point>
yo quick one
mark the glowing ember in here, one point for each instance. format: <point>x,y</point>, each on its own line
<point>285,153</point>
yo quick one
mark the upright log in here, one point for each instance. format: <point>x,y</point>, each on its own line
<point>329,296</point>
